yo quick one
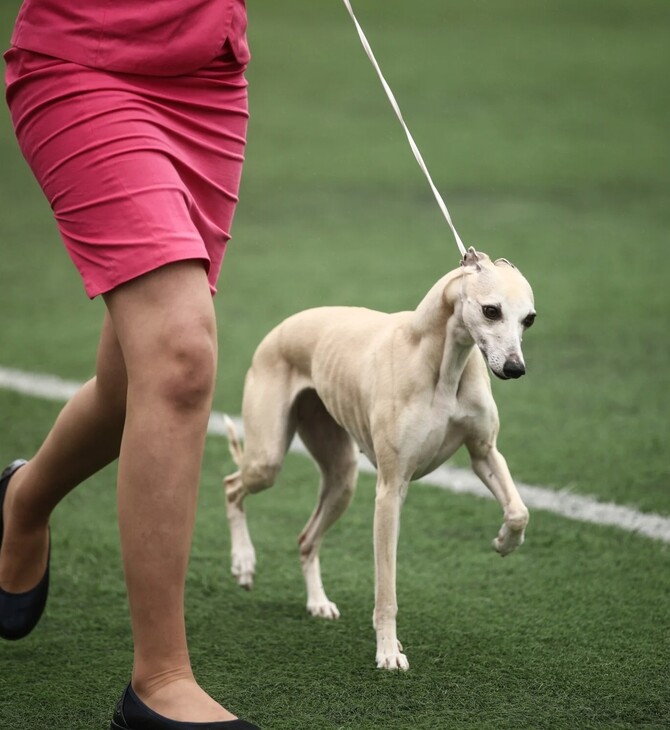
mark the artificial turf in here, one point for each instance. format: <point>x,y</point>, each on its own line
<point>545,126</point>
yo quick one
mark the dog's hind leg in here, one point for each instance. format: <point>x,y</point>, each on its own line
<point>490,466</point>
<point>269,424</point>
<point>336,454</point>
<point>242,552</point>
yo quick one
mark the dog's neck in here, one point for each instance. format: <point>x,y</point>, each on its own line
<point>438,325</point>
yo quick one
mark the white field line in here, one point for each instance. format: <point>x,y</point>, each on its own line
<point>461,481</point>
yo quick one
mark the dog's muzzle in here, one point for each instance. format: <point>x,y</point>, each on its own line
<point>513,367</point>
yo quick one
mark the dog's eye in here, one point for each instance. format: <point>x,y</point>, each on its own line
<point>492,312</point>
<point>528,321</point>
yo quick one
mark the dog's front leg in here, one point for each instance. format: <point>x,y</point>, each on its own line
<point>490,466</point>
<point>389,498</point>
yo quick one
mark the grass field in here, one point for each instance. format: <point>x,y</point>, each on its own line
<point>545,125</point>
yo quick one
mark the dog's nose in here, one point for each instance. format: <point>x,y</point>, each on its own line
<point>513,368</point>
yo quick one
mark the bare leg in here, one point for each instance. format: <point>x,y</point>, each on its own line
<point>166,327</point>
<point>85,437</point>
<point>166,336</point>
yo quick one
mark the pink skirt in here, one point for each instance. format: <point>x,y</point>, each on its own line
<point>140,171</point>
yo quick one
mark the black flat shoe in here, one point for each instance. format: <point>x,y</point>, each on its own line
<point>20,612</point>
<point>132,714</point>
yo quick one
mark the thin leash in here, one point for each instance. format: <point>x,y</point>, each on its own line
<point>410,139</point>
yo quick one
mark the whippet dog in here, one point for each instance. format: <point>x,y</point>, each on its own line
<point>407,389</point>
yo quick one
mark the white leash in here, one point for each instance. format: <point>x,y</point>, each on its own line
<point>410,139</point>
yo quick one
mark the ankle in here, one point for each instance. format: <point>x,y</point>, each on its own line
<point>176,695</point>
<point>26,516</point>
<point>147,683</point>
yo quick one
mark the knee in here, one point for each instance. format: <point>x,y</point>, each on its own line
<point>190,381</point>
<point>185,363</point>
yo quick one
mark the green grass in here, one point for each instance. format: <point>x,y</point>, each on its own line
<point>545,127</point>
<point>571,632</point>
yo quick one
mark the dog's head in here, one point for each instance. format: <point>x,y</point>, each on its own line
<point>497,308</point>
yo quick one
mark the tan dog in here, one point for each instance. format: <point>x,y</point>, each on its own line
<point>407,389</point>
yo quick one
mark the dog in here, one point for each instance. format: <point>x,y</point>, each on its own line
<point>407,389</point>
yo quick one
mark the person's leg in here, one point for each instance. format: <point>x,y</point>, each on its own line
<point>85,437</point>
<point>166,327</point>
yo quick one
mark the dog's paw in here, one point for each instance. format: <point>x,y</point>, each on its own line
<point>507,540</point>
<point>243,568</point>
<point>323,609</point>
<point>393,660</point>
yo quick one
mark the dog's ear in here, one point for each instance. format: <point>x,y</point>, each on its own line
<point>471,258</point>
<point>504,261</point>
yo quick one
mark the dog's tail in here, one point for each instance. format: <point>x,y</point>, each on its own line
<point>234,444</point>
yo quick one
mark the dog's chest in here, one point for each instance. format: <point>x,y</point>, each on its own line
<point>437,441</point>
